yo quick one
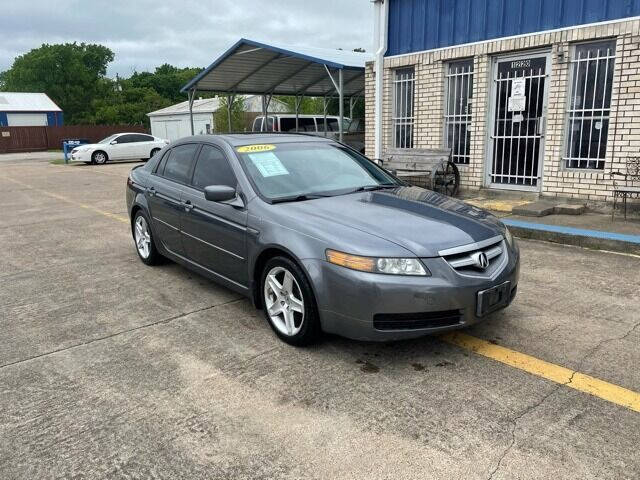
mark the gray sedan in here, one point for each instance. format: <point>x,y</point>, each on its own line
<point>320,237</point>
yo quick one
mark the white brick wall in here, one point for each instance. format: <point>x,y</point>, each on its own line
<point>624,129</point>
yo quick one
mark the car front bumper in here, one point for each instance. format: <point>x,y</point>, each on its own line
<point>80,156</point>
<point>349,300</point>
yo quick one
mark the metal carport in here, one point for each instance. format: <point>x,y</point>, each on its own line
<point>256,68</point>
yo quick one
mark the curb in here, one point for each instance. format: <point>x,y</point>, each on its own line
<point>594,239</point>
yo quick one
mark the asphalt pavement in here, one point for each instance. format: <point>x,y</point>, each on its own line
<point>111,369</point>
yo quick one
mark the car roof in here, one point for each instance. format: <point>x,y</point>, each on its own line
<point>132,133</point>
<point>237,139</point>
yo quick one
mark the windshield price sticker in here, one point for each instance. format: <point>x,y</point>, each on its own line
<point>268,164</point>
<point>255,148</point>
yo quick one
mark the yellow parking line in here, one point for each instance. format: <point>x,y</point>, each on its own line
<point>115,216</point>
<point>565,376</point>
<point>550,371</point>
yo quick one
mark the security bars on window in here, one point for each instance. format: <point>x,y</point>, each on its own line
<point>457,117</point>
<point>403,91</point>
<point>589,105</point>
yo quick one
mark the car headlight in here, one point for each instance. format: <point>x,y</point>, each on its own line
<point>508,237</point>
<point>390,266</point>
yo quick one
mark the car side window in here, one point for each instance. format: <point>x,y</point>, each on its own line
<point>124,139</point>
<point>162,163</point>
<point>212,168</point>
<point>179,163</point>
<point>143,138</point>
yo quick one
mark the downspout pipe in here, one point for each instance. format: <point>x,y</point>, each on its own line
<point>380,42</point>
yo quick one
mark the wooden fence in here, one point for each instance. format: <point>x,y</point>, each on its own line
<point>33,139</point>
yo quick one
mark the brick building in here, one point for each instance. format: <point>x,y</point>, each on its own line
<point>532,95</point>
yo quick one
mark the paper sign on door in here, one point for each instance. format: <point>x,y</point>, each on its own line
<point>518,86</point>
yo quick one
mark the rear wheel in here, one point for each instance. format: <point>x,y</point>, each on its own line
<point>99,157</point>
<point>288,302</point>
<point>143,239</point>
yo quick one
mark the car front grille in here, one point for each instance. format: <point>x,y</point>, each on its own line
<point>418,320</point>
<point>464,260</point>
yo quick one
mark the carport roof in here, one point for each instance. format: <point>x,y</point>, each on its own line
<point>251,67</point>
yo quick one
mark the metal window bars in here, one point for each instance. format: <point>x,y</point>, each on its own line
<point>457,117</point>
<point>589,105</point>
<point>403,110</point>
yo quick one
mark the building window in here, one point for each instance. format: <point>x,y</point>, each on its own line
<point>457,115</point>
<point>589,105</point>
<point>403,93</point>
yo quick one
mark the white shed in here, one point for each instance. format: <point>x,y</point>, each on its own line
<point>173,122</point>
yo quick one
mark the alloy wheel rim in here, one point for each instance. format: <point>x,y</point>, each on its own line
<point>143,237</point>
<point>283,300</point>
<point>100,158</point>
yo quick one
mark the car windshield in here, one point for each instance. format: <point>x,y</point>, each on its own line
<point>290,170</point>
<point>108,139</point>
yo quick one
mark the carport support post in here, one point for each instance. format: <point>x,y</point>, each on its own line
<point>298,102</point>
<point>264,113</point>
<point>341,108</point>
<point>324,109</point>
<point>192,95</point>
<point>230,100</point>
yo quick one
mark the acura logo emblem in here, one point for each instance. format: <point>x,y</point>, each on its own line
<point>481,260</point>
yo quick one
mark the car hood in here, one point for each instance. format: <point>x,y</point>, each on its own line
<point>91,145</point>
<point>419,220</point>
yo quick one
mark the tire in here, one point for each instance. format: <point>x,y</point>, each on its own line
<point>295,318</point>
<point>143,239</point>
<point>99,157</point>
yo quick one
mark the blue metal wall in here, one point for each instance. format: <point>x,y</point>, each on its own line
<point>54,119</point>
<point>416,25</point>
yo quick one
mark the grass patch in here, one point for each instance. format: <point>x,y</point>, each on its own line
<point>57,161</point>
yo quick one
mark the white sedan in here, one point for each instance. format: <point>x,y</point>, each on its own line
<point>121,146</point>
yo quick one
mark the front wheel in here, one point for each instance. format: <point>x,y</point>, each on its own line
<point>288,302</point>
<point>99,158</point>
<point>143,238</point>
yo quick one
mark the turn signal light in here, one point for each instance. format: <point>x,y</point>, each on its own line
<point>365,264</point>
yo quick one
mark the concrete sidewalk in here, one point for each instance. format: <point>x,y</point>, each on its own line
<point>590,230</point>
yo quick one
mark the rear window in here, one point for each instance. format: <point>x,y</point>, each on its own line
<point>304,125</point>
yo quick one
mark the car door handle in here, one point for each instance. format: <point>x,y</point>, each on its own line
<point>151,191</point>
<point>188,206</point>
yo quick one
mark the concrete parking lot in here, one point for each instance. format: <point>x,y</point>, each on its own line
<point>111,369</point>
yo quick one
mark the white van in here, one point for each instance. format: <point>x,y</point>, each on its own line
<point>353,130</point>
<point>306,123</point>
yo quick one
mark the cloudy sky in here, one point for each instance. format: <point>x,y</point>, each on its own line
<point>147,33</point>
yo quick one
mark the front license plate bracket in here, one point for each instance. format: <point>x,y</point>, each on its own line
<point>493,299</point>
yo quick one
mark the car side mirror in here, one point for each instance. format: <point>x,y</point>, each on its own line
<point>219,193</point>
<point>113,142</point>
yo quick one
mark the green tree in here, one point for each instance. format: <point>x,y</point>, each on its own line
<point>71,74</point>
<point>129,106</point>
<point>238,120</point>
<point>167,80</point>
<point>308,105</point>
